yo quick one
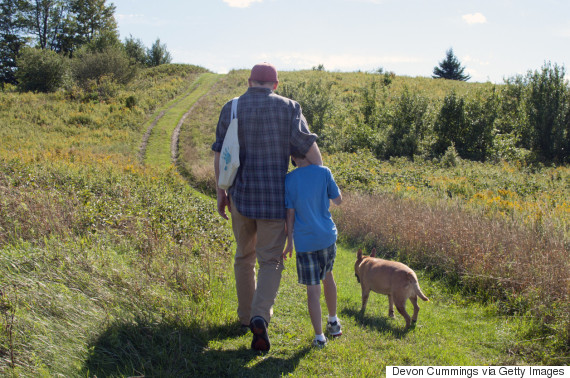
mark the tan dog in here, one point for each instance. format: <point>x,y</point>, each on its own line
<point>392,278</point>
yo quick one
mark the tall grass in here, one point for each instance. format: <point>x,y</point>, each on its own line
<point>525,273</point>
<point>90,239</point>
<point>86,246</point>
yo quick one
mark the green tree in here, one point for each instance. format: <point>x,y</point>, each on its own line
<point>45,20</point>
<point>407,125</point>
<point>450,68</point>
<point>449,123</point>
<point>481,111</point>
<point>548,106</point>
<point>135,50</point>
<point>158,54</point>
<point>40,70</point>
<point>11,39</point>
<point>92,18</point>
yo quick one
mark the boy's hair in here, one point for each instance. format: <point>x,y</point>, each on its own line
<point>297,154</point>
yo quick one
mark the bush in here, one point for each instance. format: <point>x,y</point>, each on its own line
<point>112,63</point>
<point>408,125</point>
<point>450,158</point>
<point>450,123</point>
<point>40,70</point>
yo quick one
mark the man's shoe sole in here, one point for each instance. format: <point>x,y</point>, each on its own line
<point>260,339</point>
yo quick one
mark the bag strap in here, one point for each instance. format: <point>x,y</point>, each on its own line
<point>234,108</point>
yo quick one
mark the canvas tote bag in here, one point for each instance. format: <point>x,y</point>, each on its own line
<point>229,156</point>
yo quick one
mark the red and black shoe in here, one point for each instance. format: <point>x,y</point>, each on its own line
<point>260,340</point>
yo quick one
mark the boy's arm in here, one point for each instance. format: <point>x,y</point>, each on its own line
<point>338,200</point>
<point>290,224</point>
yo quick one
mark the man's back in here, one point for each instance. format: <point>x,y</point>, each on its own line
<point>268,125</point>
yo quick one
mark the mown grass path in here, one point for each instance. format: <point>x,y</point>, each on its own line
<point>451,329</point>
<point>160,142</point>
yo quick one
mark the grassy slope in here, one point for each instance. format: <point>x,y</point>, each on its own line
<point>118,295</point>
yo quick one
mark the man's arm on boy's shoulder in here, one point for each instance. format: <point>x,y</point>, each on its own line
<point>313,155</point>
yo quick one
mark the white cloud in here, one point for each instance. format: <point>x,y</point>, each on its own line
<point>474,18</point>
<point>241,3</point>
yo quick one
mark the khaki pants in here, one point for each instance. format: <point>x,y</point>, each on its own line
<point>265,240</point>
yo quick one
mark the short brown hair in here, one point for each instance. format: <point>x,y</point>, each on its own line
<point>297,154</point>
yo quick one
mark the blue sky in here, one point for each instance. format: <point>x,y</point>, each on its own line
<point>493,39</point>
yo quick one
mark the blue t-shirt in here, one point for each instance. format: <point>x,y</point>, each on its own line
<point>309,190</point>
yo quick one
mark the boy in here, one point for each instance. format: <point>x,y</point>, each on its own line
<point>308,191</point>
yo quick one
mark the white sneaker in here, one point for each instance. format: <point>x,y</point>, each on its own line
<point>333,328</point>
<point>320,344</point>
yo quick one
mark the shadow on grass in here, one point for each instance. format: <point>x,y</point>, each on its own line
<point>381,324</point>
<point>167,350</point>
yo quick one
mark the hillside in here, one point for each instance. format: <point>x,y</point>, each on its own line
<point>113,265</point>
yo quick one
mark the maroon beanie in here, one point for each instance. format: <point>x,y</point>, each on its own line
<point>264,72</point>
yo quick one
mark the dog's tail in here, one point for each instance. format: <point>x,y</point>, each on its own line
<point>416,285</point>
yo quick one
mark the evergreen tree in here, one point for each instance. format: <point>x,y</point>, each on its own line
<point>158,54</point>
<point>135,50</point>
<point>450,68</point>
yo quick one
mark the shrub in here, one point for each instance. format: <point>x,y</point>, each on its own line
<point>548,107</point>
<point>450,123</point>
<point>315,99</point>
<point>111,63</point>
<point>538,107</point>
<point>408,125</point>
<point>450,158</point>
<point>40,70</point>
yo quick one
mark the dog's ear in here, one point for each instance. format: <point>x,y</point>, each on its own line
<point>359,254</point>
<point>373,253</point>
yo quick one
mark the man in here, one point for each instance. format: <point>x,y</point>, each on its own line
<point>269,127</point>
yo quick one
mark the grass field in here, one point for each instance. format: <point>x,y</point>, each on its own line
<point>113,267</point>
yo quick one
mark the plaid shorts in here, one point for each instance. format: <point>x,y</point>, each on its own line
<point>313,266</point>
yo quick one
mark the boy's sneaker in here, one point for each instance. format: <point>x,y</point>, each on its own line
<point>260,340</point>
<point>319,344</point>
<point>333,328</point>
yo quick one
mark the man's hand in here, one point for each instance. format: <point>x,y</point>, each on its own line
<point>288,250</point>
<point>223,202</point>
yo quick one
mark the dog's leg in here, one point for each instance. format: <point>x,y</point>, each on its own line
<point>401,307</point>
<point>365,295</point>
<point>414,301</point>
<point>390,306</point>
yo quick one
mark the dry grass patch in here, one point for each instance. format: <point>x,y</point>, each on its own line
<point>528,272</point>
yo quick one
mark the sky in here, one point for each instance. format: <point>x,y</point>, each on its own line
<point>493,39</point>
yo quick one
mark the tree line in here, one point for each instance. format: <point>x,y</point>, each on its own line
<point>43,40</point>
<point>526,119</point>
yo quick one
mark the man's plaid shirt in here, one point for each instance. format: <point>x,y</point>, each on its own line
<point>269,125</point>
